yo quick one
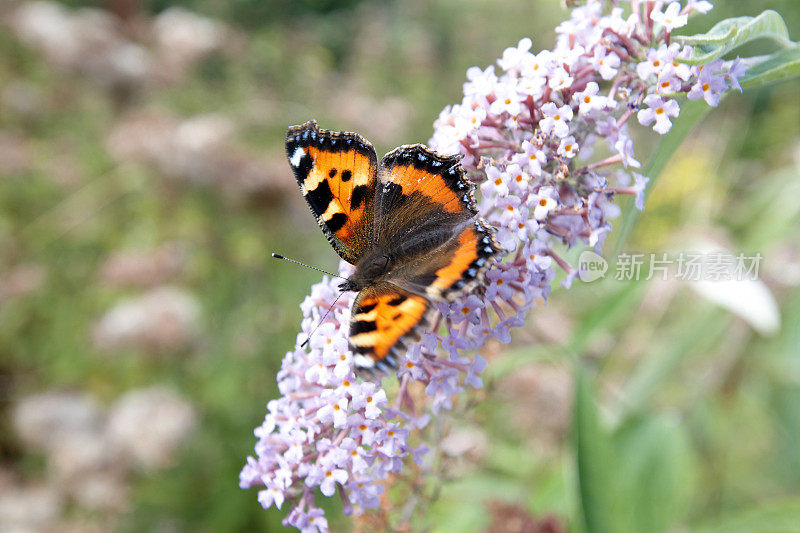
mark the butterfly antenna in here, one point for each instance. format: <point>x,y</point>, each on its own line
<point>321,320</point>
<point>279,256</point>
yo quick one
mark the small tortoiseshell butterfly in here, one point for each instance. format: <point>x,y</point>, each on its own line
<point>408,223</point>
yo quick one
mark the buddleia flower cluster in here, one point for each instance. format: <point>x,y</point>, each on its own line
<point>546,140</point>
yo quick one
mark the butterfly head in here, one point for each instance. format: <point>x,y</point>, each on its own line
<point>370,270</point>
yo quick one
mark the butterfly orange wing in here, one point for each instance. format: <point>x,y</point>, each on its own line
<point>337,172</point>
<point>384,319</point>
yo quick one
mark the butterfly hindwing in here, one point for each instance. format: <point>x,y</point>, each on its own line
<point>381,316</point>
<point>455,267</point>
<point>337,172</point>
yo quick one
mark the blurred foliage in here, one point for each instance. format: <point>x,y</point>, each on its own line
<point>681,412</point>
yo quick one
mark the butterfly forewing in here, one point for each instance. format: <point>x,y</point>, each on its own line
<point>337,173</point>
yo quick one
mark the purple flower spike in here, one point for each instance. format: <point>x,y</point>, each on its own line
<point>527,133</point>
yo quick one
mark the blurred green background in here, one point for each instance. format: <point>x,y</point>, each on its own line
<point>143,186</point>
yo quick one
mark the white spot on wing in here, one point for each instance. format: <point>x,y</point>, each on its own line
<point>297,156</point>
<point>363,361</point>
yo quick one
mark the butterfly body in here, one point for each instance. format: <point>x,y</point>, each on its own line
<point>408,223</point>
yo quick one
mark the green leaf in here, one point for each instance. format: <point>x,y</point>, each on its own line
<point>772,517</point>
<point>720,33</point>
<point>656,472</point>
<point>518,357</point>
<point>693,333</point>
<point>639,478</point>
<point>773,212</point>
<point>595,462</point>
<point>604,311</point>
<point>781,65</point>
<point>732,33</point>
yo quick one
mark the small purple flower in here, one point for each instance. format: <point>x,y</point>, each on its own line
<point>544,205</point>
<point>555,119</point>
<point>335,412</point>
<point>560,79</point>
<point>568,147</point>
<point>364,495</point>
<point>331,477</point>
<point>700,6</point>
<point>639,185</point>
<point>671,18</point>
<point>496,184</point>
<point>518,179</point>
<point>668,82</point>
<point>515,57</point>
<point>271,496</point>
<point>466,310</point>
<point>532,156</point>
<point>736,70</point>
<point>659,112</point>
<point>507,100</point>
<point>473,378</point>
<point>315,522</point>
<point>659,59</point>
<point>481,82</point>
<point>606,63</point>
<point>710,85</point>
<point>589,99</point>
<point>624,147</point>
<point>539,67</point>
<point>370,399</point>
